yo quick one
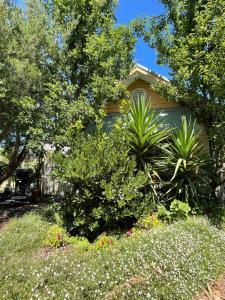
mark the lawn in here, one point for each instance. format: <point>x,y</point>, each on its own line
<point>173,262</point>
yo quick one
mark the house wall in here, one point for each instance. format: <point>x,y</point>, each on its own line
<point>156,100</point>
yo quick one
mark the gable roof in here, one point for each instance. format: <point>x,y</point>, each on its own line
<point>141,72</point>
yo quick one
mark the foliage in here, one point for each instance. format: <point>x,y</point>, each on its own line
<point>59,61</point>
<point>27,64</point>
<point>104,241</point>
<point>96,56</point>
<point>185,155</point>
<point>189,38</point>
<point>103,190</point>
<point>81,244</point>
<point>145,132</point>
<point>153,264</point>
<point>56,237</point>
<point>178,211</point>
<point>145,137</point>
<point>163,213</point>
<point>50,215</point>
<point>150,221</point>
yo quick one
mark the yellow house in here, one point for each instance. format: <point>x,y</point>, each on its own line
<point>139,84</point>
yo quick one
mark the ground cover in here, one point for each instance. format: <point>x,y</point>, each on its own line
<point>173,262</point>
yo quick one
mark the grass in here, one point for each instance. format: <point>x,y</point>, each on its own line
<point>174,262</point>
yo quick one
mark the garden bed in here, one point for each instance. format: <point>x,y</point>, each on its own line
<point>163,263</point>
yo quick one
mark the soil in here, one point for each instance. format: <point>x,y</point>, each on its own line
<point>215,291</point>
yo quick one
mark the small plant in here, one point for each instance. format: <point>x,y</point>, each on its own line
<point>178,211</point>
<point>56,237</point>
<point>81,243</point>
<point>150,221</point>
<point>104,241</point>
<point>163,213</point>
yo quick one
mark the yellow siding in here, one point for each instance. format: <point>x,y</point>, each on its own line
<point>156,100</point>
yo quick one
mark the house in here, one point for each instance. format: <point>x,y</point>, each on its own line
<point>139,84</point>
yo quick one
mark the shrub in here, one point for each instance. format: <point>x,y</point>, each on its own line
<point>105,190</point>
<point>56,237</point>
<point>104,241</point>
<point>178,211</point>
<point>186,158</point>
<point>80,243</point>
<point>150,221</point>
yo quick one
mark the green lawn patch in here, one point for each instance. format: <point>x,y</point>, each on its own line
<point>174,262</point>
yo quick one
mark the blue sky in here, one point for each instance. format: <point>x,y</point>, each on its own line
<point>128,10</point>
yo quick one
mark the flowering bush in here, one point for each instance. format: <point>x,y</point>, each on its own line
<point>150,221</point>
<point>56,237</point>
<point>104,241</point>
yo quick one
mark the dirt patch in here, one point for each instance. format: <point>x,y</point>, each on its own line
<point>7,213</point>
<point>215,291</point>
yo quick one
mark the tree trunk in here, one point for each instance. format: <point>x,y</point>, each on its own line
<point>13,165</point>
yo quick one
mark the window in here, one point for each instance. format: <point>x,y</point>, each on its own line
<point>138,94</point>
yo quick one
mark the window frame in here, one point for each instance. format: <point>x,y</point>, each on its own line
<point>138,90</point>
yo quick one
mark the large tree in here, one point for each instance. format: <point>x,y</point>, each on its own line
<point>61,61</point>
<point>96,57</point>
<point>27,49</point>
<point>189,37</point>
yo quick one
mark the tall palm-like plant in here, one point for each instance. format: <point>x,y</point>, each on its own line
<point>185,155</point>
<point>146,132</point>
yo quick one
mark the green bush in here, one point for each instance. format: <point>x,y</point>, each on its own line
<point>81,244</point>
<point>104,191</point>
<point>178,211</point>
<point>150,221</point>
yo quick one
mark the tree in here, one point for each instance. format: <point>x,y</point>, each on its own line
<point>189,38</point>
<point>60,60</point>
<point>96,56</point>
<point>27,50</point>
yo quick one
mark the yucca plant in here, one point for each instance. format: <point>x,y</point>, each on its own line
<point>185,155</point>
<point>146,134</point>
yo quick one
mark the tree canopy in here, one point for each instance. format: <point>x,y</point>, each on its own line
<point>27,49</point>
<point>60,61</point>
